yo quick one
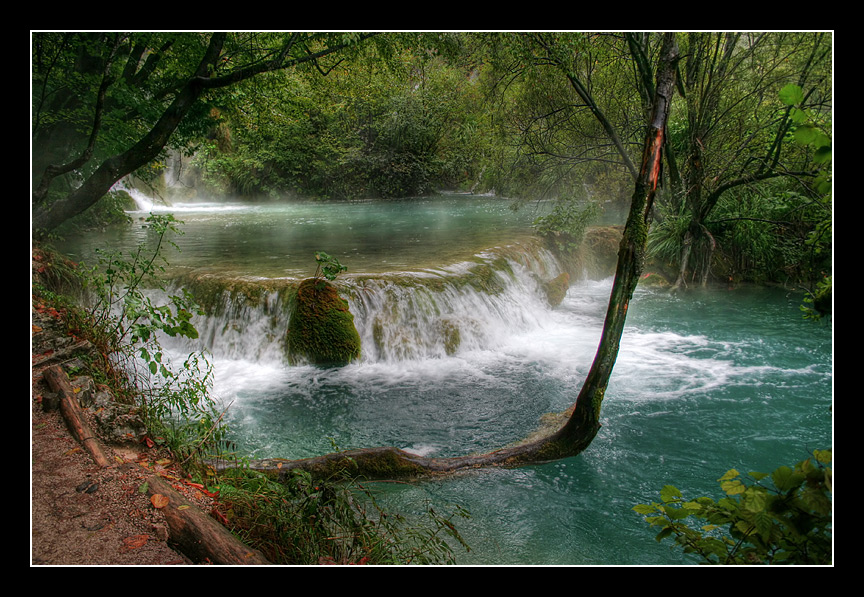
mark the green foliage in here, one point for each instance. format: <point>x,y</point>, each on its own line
<point>763,235</point>
<point>666,236</point>
<point>818,303</point>
<point>565,225</point>
<point>809,130</point>
<point>812,132</point>
<point>116,81</point>
<point>729,148</point>
<point>388,122</point>
<point>123,314</point>
<point>781,518</point>
<point>303,520</point>
<point>328,266</point>
<point>552,90</point>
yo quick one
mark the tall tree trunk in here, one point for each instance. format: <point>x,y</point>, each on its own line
<point>584,423</point>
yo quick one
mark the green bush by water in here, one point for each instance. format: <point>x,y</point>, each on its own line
<point>304,520</point>
<point>786,521</point>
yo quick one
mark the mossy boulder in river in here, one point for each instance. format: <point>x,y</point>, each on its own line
<point>321,330</point>
<point>556,289</point>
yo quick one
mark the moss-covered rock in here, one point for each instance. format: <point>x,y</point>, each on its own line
<point>452,336</point>
<point>556,289</point>
<point>321,329</point>
<point>653,279</point>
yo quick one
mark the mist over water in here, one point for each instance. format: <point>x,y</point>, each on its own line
<point>705,381</point>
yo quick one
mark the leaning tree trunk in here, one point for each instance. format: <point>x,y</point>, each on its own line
<point>47,217</point>
<point>584,423</point>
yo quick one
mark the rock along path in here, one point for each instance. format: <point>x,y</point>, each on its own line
<point>83,514</point>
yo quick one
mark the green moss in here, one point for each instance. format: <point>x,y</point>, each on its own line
<point>653,279</point>
<point>556,289</point>
<point>216,294</point>
<point>484,279</point>
<point>452,336</point>
<point>321,330</point>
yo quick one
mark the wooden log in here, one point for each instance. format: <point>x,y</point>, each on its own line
<point>197,535</point>
<point>62,353</point>
<point>73,415</point>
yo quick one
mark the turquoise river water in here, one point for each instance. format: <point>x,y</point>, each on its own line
<point>707,380</point>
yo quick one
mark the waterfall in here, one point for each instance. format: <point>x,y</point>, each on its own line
<point>469,306</point>
<point>143,201</point>
<point>400,316</point>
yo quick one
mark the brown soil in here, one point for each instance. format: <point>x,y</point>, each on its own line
<point>81,513</point>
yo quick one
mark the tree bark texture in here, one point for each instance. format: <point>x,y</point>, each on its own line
<point>584,423</point>
<point>198,536</point>
<point>59,382</point>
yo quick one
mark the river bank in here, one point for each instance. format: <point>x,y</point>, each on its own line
<point>100,500</point>
<point>83,514</point>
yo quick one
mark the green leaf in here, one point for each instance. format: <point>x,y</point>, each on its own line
<point>663,534</point>
<point>798,116</point>
<point>733,487</point>
<point>754,500</point>
<point>823,456</point>
<point>643,509</point>
<point>822,154</point>
<point>786,479</point>
<point>669,493</point>
<point>730,474</point>
<point>803,135</point>
<point>676,513</point>
<point>791,95</point>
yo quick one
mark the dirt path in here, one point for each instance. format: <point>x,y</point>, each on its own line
<point>82,514</point>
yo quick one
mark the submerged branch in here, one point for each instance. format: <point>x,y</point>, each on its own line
<point>392,463</point>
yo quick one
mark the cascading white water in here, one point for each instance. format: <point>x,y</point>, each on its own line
<point>705,380</point>
<point>403,316</point>
<point>436,314</point>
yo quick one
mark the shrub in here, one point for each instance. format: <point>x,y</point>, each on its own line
<point>781,518</point>
<point>305,520</point>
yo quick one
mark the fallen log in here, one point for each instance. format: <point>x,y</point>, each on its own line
<point>62,353</point>
<point>59,382</point>
<point>393,463</point>
<point>201,538</point>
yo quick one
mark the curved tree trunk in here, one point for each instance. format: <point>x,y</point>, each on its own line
<point>584,423</point>
<point>48,217</point>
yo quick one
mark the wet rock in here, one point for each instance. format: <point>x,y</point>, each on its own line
<point>321,330</point>
<point>556,289</point>
<point>653,279</point>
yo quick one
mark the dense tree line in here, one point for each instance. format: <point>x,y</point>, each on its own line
<point>744,193</point>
